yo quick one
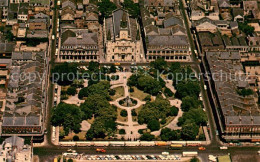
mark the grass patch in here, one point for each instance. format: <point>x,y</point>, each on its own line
<point>138,94</point>
<point>119,93</point>
<point>69,137</point>
<point>135,118</point>
<point>119,117</point>
<point>90,121</point>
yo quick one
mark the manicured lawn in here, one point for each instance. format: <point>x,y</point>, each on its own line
<point>138,94</point>
<point>69,137</point>
<point>119,93</point>
<point>119,117</point>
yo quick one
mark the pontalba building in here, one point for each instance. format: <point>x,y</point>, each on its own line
<point>123,42</point>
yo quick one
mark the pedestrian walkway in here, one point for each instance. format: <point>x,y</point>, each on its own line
<point>131,128</point>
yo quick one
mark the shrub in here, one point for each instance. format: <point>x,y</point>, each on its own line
<point>153,125</point>
<point>147,98</point>
<point>134,112</point>
<point>168,92</point>
<point>147,137</point>
<point>114,77</point>
<point>121,102</point>
<point>140,131</point>
<point>71,91</point>
<point>131,89</point>
<point>123,113</point>
<point>163,121</point>
<point>75,138</point>
<point>134,102</point>
<point>121,131</point>
<point>112,92</point>
<point>173,111</point>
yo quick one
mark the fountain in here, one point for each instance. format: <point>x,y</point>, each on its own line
<point>128,101</point>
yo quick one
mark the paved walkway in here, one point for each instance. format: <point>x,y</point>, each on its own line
<point>74,100</point>
<point>131,128</point>
<point>173,124</point>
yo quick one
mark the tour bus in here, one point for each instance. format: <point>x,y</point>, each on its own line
<point>175,147</point>
<point>190,153</point>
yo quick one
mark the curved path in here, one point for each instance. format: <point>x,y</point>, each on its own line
<point>131,128</point>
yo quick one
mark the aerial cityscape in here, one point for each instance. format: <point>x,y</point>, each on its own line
<point>130,80</point>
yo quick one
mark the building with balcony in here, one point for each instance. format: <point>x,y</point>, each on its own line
<point>78,45</point>
<point>238,115</point>
<point>26,95</point>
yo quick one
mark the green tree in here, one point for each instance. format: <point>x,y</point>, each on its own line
<point>64,74</point>
<point>175,66</point>
<point>189,131</point>
<point>194,159</point>
<point>155,110</point>
<point>68,116</point>
<point>105,7</point>
<point>159,64</point>
<point>189,103</point>
<point>70,160</point>
<point>93,66</point>
<point>71,91</point>
<point>101,88</point>
<point>75,138</point>
<point>133,112</point>
<point>168,134</point>
<point>113,69</point>
<point>121,131</point>
<point>132,8</point>
<point>9,36</point>
<point>245,92</point>
<point>197,116</point>
<point>168,92</point>
<point>173,111</point>
<point>153,125</point>
<point>147,137</point>
<point>187,88</point>
<point>94,104</point>
<point>149,85</point>
<point>123,113</point>
<point>247,29</point>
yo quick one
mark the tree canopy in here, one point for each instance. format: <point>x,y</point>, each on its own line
<point>68,116</point>
<point>147,137</point>
<point>245,92</point>
<point>101,88</point>
<point>189,131</point>
<point>159,64</point>
<point>158,109</point>
<point>132,8</point>
<point>64,74</point>
<point>187,88</point>
<point>145,83</point>
<point>190,102</point>
<point>105,7</point>
<point>169,135</point>
<point>198,116</point>
<point>153,125</point>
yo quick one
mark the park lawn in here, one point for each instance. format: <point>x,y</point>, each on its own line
<point>168,120</point>
<point>200,132</point>
<point>119,93</point>
<point>69,137</point>
<point>135,118</point>
<point>90,121</point>
<point>138,94</point>
<point>119,117</point>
